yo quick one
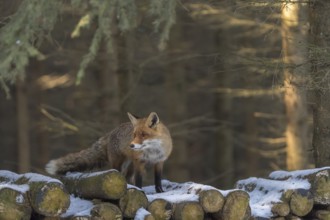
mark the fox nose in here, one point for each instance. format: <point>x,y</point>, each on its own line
<point>132,145</point>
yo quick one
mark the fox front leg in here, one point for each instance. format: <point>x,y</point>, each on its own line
<point>158,177</point>
<point>139,171</point>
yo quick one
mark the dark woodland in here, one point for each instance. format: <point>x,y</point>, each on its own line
<point>243,86</point>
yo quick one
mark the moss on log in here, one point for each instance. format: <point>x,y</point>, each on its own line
<point>133,200</point>
<point>98,185</point>
<point>188,211</point>
<point>14,203</point>
<point>301,202</point>
<point>321,187</point>
<point>161,209</point>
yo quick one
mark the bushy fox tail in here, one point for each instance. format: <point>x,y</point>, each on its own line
<point>87,159</point>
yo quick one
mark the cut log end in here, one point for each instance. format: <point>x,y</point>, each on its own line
<point>236,206</point>
<point>161,209</point>
<point>211,200</point>
<point>106,211</point>
<point>50,199</point>
<point>188,211</point>
<point>301,202</point>
<point>114,185</point>
<point>14,205</point>
<point>132,201</point>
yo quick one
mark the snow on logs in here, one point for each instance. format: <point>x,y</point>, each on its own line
<point>106,195</point>
<point>304,193</point>
<point>46,196</point>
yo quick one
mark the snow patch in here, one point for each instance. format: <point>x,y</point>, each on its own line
<point>78,207</point>
<point>264,192</point>
<point>20,188</point>
<point>77,175</point>
<point>295,174</point>
<point>141,214</point>
<point>174,192</point>
<point>7,175</point>
<point>35,177</point>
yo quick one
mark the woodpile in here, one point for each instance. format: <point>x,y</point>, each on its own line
<point>290,195</point>
<point>106,195</point>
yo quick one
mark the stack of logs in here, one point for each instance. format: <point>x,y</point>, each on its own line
<point>106,195</point>
<point>292,195</point>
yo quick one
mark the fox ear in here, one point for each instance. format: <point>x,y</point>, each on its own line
<point>132,118</point>
<point>152,120</point>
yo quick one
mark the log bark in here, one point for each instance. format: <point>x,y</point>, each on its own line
<point>301,202</point>
<point>236,206</point>
<point>188,211</point>
<point>14,203</point>
<point>47,196</point>
<point>322,214</point>
<point>161,209</point>
<point>133,200</point>
<point>321,187</point>
<point>211,200</point>
<point>98,185</point>
<point>100,210</point>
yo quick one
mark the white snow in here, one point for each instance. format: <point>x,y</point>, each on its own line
<point>267,192</point>
<point>8,175</point>
<point>35,177</point>
<point>295,174</point>
<point>141,214</point>
<point>174,192</point>
<point>75,175</point>
<point>78,207</point>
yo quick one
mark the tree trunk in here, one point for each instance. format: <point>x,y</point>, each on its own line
<point>224,150</point>
<point>176,103</point>
<point>22,126</point>
<point>320,21</point>
<point>295,58</point>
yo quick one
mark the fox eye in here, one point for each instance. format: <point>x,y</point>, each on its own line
<point>143,134</point>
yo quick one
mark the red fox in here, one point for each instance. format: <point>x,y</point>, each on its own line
<point>138,142</point>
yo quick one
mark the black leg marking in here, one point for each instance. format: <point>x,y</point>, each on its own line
<point>138,179</point>
<point>158,178</point>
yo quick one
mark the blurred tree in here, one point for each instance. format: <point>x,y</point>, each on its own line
<point>26,29</point>
<point>320,23</point>
<point>23,130</point>
<point>295,58</point>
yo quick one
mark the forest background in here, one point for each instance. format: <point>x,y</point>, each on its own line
<point>242,85</point>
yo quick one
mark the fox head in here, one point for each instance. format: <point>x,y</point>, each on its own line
<point>144,129</point>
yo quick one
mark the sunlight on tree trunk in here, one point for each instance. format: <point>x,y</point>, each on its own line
<point>294,46</point>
